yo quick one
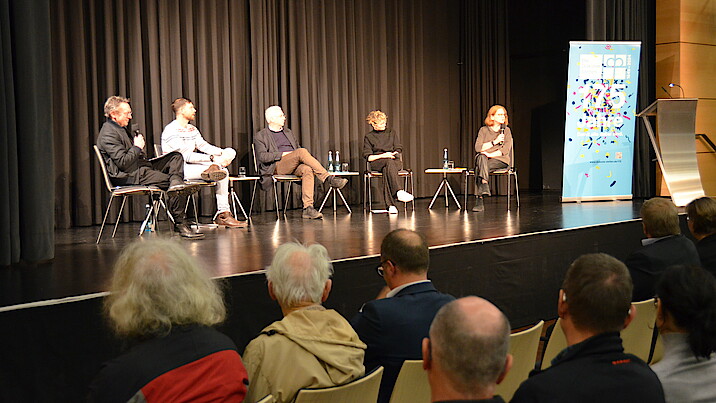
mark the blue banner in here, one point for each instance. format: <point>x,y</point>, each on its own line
<point>600,118</point>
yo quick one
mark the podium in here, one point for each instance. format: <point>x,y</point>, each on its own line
<point>676,146</point>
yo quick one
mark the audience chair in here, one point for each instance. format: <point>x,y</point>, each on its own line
<point>124,191</point>
<point>267,399</point>
<point>369,174</point>
<point>277,179</point>
<point>361,390</point>
<point>509,172</point>
<point>637,337</point>
<point>523,347</point>
<point>556,343</point>
<point>412,384</point>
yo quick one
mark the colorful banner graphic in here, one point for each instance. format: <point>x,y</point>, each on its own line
<point>599,127</point>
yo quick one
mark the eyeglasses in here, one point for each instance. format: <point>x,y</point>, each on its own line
<point>379,269</point>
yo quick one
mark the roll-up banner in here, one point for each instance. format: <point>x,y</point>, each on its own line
<point>600,118</point>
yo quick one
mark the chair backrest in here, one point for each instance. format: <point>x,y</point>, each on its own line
<point>105,174</point>
<point>267,399</point>
<point>362,390</point>
<point>523,347</point>
<point>412,384</point>
<point>638,335</point>
<point>556,343</point>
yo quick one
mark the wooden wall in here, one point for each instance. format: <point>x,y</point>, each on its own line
<point>686,54</point>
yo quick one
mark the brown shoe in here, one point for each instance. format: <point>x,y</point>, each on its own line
<point>213,173</point>
<point>227,220</point>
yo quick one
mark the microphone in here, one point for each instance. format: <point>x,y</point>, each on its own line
<point>135,129</point>
<point>502,132</point>
<point>667,92</point>
<point>672,85</point>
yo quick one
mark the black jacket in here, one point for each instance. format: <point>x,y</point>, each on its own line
<point>394,328</point>
<point>647,263</point>
<point>595,370</point>
<point>267,153</point>
<point>122,158</point>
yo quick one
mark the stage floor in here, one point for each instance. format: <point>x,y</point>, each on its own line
<point>82,267</point>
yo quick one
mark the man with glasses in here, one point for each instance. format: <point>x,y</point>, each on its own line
<point>394,325</point>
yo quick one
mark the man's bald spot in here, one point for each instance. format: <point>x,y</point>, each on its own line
<point>478,316</point>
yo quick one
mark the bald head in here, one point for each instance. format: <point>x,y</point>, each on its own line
<point>407,250</point>
<point>475,325</point>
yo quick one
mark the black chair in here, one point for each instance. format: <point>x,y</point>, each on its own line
<point>124,192</point>
<point>369,174</point>
<point>509,171</point>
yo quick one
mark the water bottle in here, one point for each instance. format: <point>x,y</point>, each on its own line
<point>337,162</point>
<point>330,161</point>
<point>150,224</point>
<point>445,159</point>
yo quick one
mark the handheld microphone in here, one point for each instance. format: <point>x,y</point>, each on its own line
<point>672,85</point>
<point>667,92</point>
<point>135,129</point>
<point>502,132</point>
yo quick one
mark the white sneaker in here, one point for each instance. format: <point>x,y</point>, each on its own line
<point>392,210</point>
<point>404,196</point>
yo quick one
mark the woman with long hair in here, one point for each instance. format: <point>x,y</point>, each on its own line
<point>686,318</point>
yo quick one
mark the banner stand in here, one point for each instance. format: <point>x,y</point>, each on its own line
<point>600,121</point>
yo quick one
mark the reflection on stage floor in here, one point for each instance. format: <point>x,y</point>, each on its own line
<point>81,267</point>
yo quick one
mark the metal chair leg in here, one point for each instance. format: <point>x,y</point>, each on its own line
<point>288,196</point>
<point>124,199</point>
<point>109,205</point>
<point>517,189</point>
<point>275,198</point>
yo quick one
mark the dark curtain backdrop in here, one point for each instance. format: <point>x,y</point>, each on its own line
<point>484,69</point>
<point>26,197</point>
<point>327,63</point>
<point>151,52</point>
<point>632,20</point>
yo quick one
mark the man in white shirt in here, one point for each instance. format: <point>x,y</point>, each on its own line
<point>201,159</point>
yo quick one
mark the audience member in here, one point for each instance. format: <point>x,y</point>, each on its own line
<point>702,224</point>
<point>686,317</point>
<point>311,346</point>
<point>473,325</point>
<point>664,246</point>
<point>278,152</point>
<point>164,304</point>
<point>394,325</point>
<point>595,305</point>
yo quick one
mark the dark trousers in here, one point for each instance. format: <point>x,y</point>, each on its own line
<point>483,166</point>
<point>165,171</point>
<point>391,181</point>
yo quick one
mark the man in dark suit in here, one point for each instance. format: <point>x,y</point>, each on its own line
<point>664,246</point>
<point>394,325</point>
<point>278,153</point>
<point>702,224</point>
<point>127,162</point>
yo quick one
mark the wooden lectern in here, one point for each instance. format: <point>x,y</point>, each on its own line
<point>675,146</point>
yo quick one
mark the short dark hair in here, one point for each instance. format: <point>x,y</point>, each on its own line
<point>702,214</point>
<point>688,295</point>
<point>660,217</point>
<point>179,103</point>
<point>598,291</point>
<point>406,249</point>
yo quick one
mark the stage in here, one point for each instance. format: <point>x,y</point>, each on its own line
<point>54,331</point>
<point>81,267</point>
